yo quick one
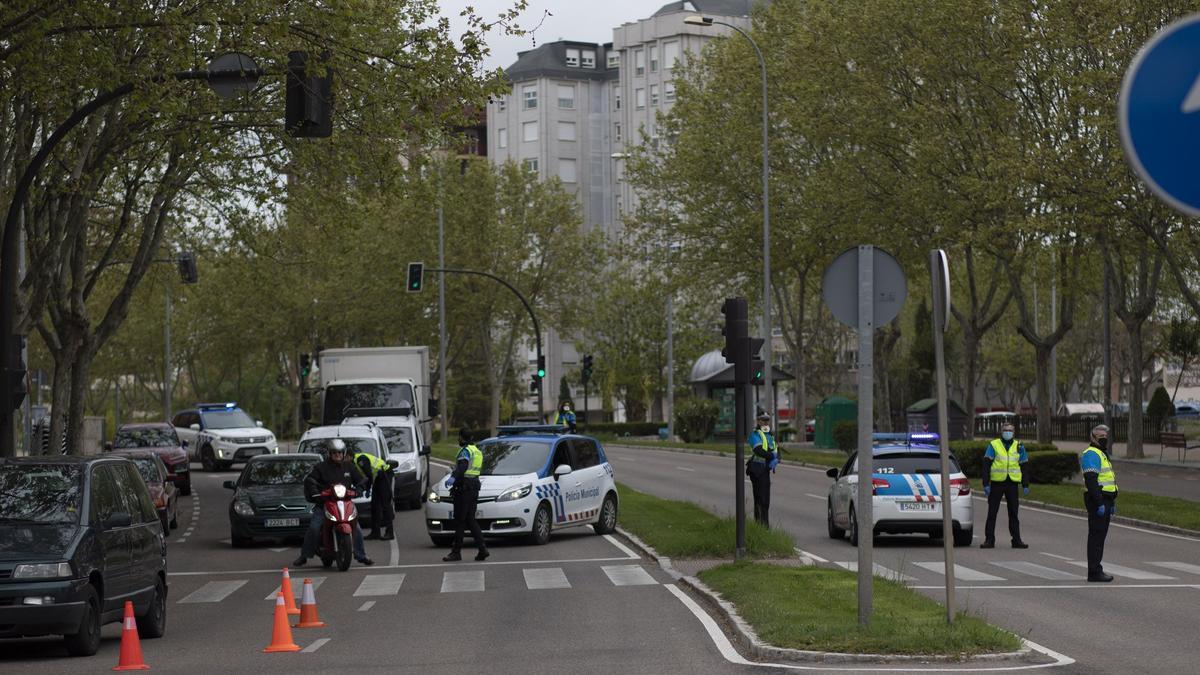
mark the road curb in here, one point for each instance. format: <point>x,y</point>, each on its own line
<point>746,637</point>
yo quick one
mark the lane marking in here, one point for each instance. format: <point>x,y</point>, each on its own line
<point>623,548</point>
<point>1122,571</point>
<point>1036,570</point>
<point>1060,557</point>
<point>379,584</point>
<point>317,644</point>
<point>628,575</point>
<point>960,572</point>
<point>394,559</point>
<point>814,556</point>
<point>545,577</point>
<point>684,468</point>
<point>367,605</point>
<point>278,550</point>
<point>880,571</point>
<point>1179,567</point>
<point>809,494</point>
<point>403,567</point>
<point>213,591</point>
<point>298,586</point>
<point>1044,587</point>
<point>462,582</point>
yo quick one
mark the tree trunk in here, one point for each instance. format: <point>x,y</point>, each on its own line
<point>1133,446</point>
<point>1042,351</point>
<point>971,358</point>
<point>80,382</point>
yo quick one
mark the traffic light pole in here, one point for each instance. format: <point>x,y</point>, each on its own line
<point>740,392</point>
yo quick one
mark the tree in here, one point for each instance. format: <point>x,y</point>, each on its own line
<point>1183,343</point>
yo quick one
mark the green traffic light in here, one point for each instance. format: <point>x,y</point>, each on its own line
<point>541,373</point>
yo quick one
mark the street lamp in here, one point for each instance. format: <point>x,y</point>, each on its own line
<point>698,20</point>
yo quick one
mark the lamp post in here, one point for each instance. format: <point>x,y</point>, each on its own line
<point>698,20</point>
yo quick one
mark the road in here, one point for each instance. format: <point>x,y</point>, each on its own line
<point>1139,623</point>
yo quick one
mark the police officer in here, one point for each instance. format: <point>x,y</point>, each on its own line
<point>464,489</point>
<point>565,416</point>
<point>1099,498</point>
<point>381,479</point>
<point>333,469</point>
<point>1001,473</point>
<point>762,462</point>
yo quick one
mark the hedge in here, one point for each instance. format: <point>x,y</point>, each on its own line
<point>1051,466</point>
<point>623,428</point>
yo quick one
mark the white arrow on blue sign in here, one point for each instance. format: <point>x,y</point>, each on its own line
<point>1159,114</point>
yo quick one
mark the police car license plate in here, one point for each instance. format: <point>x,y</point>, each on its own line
<point>917,506</point>
<point>282,522</point>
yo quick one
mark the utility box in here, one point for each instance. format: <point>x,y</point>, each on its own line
<point>922,417</point>
<point>829,412</point>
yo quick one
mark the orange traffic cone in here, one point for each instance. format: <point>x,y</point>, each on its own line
<point>131,647</point>
<point>285,590</point>
<point>308,608</point>
<point>281,634</point>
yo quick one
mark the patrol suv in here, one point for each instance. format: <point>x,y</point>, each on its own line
<point>534,480</point>
<point>906,489</point>
<point>219,434</point>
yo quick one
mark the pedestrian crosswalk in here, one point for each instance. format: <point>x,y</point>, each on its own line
<point>1050,568</point>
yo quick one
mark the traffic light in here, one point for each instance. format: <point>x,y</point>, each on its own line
<point>187,267</point>
<point>16,376</point>
<point>587,368</point>
<point>757,365</point>
<point>736,327</point>
<point>415,272</point>
<point>305,366</point>
<point>308,99</point>
<point>541,369</point>
<point>534,384</point>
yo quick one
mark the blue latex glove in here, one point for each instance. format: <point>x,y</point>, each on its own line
<point>1100,510</point>
<point>1026,490</point>
<point>450,481</point>
<point>987,490</point>
<point>773,463</point>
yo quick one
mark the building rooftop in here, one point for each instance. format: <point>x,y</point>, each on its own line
<point>709,7</point>
<point>550,60</point>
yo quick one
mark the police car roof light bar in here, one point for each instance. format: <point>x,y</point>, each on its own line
<point>910,437</point>
<point>216,406</point>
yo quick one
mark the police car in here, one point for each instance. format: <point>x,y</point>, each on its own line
<point>219,434</point>
<point>906,485</point>
<point>535,480</point>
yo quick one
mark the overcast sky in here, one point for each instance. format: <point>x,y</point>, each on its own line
<point>584,20</point>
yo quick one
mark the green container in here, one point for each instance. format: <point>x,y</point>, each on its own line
<point>829,412</point>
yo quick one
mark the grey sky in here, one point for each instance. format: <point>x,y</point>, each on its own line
<point>586,20</point>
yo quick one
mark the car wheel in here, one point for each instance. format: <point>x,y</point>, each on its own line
<point>963,537</point>
<point>835,532</point>
<point>86,642</point>
<point>441,542</point>
<point>153,624</point>
<point>540,534</point>
<point>186,489</point>
<point>207,459</point>
<point>853,527</point>
<point>607,523</point>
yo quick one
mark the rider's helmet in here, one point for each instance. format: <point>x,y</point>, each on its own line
<point>337,446</point>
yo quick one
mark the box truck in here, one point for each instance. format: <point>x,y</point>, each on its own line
<point>374,378</point>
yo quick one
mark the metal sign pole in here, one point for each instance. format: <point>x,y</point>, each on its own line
<point>939,270</point>
<point>866,384</point>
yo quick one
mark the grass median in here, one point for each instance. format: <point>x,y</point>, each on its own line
<point>819,457</point>
<point>1171,511</point>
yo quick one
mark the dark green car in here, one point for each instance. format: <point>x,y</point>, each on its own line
<point>268,498</point>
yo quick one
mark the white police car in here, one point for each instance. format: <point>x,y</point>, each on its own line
<point>906,485</point>
<point>219,434</point>
<point>534,480</point>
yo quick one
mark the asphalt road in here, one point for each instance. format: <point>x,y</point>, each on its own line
<point>606,610</point>
<point>1142,622</point>
<point>1182,482</point>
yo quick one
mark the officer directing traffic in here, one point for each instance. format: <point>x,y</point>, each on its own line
<point>464,490</point>
<point>1002,464</point>
<point>762,462</point>
<point>1099,498</point>
<point>380,477</point>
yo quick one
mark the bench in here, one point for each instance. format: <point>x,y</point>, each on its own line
<point>1169,439</point>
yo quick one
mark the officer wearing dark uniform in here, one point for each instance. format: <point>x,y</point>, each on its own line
<point>464,490</point>
<point>762,462</point>
<point>1001,474</point>
<point>565,417</point>
<point>380,477</point>
<point>1099,498</point>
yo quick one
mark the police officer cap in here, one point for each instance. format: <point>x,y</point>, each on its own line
<point>464,435</point>
<point>764,416</point>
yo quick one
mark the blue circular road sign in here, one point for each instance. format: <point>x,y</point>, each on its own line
<point>1159,114</point>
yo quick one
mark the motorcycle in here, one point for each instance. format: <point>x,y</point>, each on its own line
<point>337,530</point>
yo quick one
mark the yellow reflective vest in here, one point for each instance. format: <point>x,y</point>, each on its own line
<point>474,460</point>
<point>1007,463</point>
<point>1107,478</point>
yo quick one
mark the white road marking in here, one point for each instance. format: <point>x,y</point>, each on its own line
<point>298,586</point>
<point>880,571</point>
<point>545,577</point>
<point>317,644</point>
<point>278,550</point>
<point>1060,557</point>
<point>395,557</point>
<point>367,605</point>
<point>214,591</point>
<point>462,582</point>
<point>377,568</point>
<point>623,548</point>
<point>960,572</point>
<point>379,584</point>
<point>814,556</point>
<point>1179,567</point>
<point>1042,587</point>
<point>1036,570</point>
<point>809,494</point>
<point>684,468</point>
<point>1129,572</point>
<point>628,575</point>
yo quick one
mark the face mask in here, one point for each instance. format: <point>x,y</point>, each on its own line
<point>1006,435</point>
<point>765,427</point>
<point>1102,443</point>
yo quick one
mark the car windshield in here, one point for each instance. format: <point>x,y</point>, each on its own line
<point>353,446</point>
<point>513,458</point>
<point>226,419</point>
<point>911,463</point>
<point>40,494</point>
<point>146,438</point>
<point>277,472</point>
<point>148,468</point>
<point>399,440</point>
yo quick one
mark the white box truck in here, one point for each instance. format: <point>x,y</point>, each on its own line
<point>374,378</point>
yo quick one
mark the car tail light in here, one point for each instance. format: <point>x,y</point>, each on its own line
<point>877,483</point>
<point>160,501</point>
<point>963,485</point>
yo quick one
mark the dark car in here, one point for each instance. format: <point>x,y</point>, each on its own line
<point>162,490</point>
<point>268,498</point>
<point>78,537</point>
<point>161,439</point>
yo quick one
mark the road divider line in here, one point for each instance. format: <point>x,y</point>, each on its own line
<point>809,494</point>
<point>684,468</point>
<point>623,548</point>
<point>317,644</point>
<point>1053,555</point>
<point>367,605</point>
<point>812,556</point>
<point>394,558</point>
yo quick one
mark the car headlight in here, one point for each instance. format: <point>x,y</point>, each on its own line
<point>243,508</point>
<point>406,465</point>
<point>515,493</point>
<point>434,496</point>
<point>58,570</point>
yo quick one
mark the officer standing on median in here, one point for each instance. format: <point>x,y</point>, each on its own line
<point>565,416</point>
<point>1099,498</point>
<point>1002,464</point>
<point>464,490</point>
<point>380,477</point>
<point>763,460</point>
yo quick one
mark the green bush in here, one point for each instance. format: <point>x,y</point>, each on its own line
<point>695,419</point>
<point>845,435</point>
<point>970,454</point>
<point>1050,467</point>
<point>622,428</point>
<point>1160,406</point>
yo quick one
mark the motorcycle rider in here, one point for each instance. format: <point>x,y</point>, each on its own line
<point>335,468</point>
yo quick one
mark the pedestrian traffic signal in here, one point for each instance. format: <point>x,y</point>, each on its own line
<point>415,272</point>
<point>736,326</point>
<point>308,98</point>
<point>541,369</point>
<point>187,267</point>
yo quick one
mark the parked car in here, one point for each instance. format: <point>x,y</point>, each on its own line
<point>161,439</point>
<point>162,491</point>
<point>1187,409</point>
<point>810,427</point>
<point>268,498</point>
<point>220,434</point>
<point>78,537</point>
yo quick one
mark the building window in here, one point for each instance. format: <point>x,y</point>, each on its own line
<point>639,98</point>
<point>566,96</point>
<point>654,58</point>
<point>614,60</point>
<point>529,94</point>
<point>617,131</point>
<point>572,58</point>
<point>566,170</point>
<point>566,131</point>
<point>654,94</point>
<point>587,58</point>
<point>530,165</point>
<point>529,131</point>
<point>617,96</point>
<point>669,91</point>
<point>670,54</point>
<point>502,104</point>
<point>502,138</point>
<point>639,62</point>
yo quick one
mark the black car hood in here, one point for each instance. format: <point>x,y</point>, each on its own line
<point>271,496</point>
<point>41,541</point>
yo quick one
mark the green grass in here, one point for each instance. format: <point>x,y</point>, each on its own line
<point>821,457</point>
<point>816,608</point>
<point>683,530</point>
<point>1153,508</point>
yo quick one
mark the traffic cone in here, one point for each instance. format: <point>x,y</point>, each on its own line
<point>285,590</point>
<point>131,647</point>
<point>281,634</point>
<point>308,608</point>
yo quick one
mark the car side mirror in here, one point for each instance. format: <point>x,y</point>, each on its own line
<point>393,463</point>
<point>426,450</point>
<point>832,473</point>
<point>562,470</point>
<point>118,519</point>
<point>433,407</point>
<point>230,485</point>
<point>194,427</point>
<point>108,447</point>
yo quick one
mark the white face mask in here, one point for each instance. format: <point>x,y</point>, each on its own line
<point>765,427</point>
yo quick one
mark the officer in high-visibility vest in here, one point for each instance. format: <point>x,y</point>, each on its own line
<point>381,479</point>
<point>763,460</point>
<point>1001,474</point>
<point>464,489</point>
<point>565,416</point>
<point>1099,498</point>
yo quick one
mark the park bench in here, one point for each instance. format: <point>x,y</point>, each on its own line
<point>1169,439</point>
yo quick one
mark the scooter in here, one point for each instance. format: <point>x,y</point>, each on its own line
<point>337,530</point>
